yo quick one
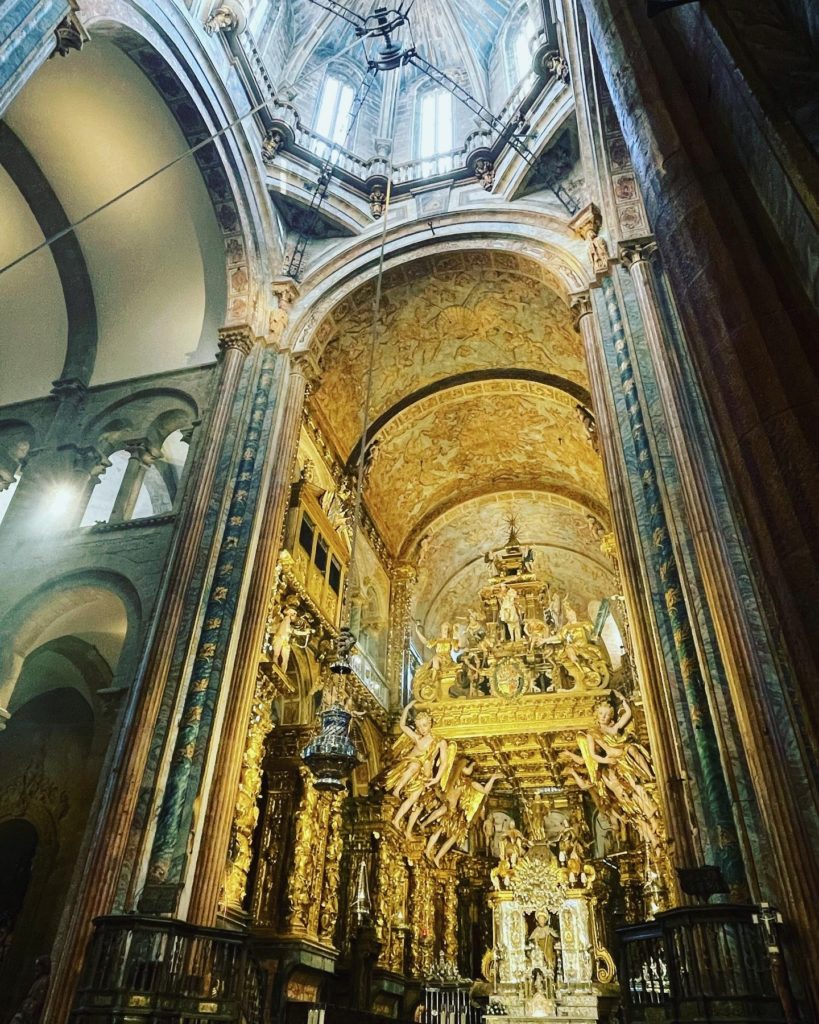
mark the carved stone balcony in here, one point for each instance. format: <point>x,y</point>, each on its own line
<point>698,964</point>
<point>154,969</point>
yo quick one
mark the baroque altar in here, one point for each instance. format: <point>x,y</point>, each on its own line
<point>517,752</point>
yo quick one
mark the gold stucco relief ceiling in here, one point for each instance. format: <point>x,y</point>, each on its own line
<point>470,315</point>
<point>475,439</point>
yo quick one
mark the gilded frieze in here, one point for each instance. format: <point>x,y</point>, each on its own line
<point>434,325</point>
<point>467,441</point>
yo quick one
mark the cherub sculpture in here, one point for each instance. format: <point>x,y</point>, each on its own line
<point>285,635</point>
<point>617,771</point>
<point>579,658</point>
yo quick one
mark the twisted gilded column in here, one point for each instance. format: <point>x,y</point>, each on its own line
<point>95,893</point>
<point>422,918</point>
<point>246,807</point>
<point>221,801</point>
<point>450,935</point>
<point>752,696</point>
<point>390,900</point>
<point>313,885</point>
<point>402,581</point>
<point>331,884</point>
<point>660,719</point>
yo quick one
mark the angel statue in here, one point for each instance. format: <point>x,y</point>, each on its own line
<point>513,845</point>
<point>463,798</point>
<point>429,673</point>
<point>618,771</point>
<point>285,635</point>
<point>420,760</point>
<point>580,659</point>
<point>612,741</point>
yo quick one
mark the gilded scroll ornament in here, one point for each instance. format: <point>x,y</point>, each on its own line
<point>306,857</point>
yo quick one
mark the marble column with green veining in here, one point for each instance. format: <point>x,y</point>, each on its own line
<point>190,742</point>
<point>714,792</point>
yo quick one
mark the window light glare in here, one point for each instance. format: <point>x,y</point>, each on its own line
<point>60,500</point>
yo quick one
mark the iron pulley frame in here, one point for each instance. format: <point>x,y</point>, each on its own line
<point>383,24</point>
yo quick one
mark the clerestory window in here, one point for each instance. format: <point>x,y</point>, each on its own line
<point>333,111</point>
<point>435,131</point>
<point>519,52</point>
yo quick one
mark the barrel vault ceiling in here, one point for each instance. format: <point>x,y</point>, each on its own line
<point>477,376</point>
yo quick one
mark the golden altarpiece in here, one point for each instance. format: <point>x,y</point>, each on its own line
<point>495,830</point>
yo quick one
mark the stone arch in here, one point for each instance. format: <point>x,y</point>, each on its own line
<point>69,259</point>
<point>152,413</point>
<point>227,238</point>
<point>74,600</point>
<point>538,241</point>
<point>93,671</point>
<point>298,708</point>
<point>152,47</point>
<point>15,430</point>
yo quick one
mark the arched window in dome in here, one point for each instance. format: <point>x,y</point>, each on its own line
<point>333,110</point>
<point>435,136</point>
<point>518,47</point>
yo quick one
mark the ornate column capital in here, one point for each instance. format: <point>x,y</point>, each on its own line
<point>273,141</point>
<point>405,573</point>
<point>586,225</point>
<point>303,364</point>
<point>187,432</point>
<point>86,460</point>
<point>227,17</point>
<point>239,338</point>
<point>485,173</point>
<point>141,450</point>
<point>588,220</point>
<point>580,305</point>
<point>285,292</point>
<point>637,250</point>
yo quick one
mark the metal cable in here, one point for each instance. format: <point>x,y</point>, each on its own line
<point>365,412</point>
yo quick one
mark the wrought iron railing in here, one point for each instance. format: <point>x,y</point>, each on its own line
<point>697,964</point>
<point>159,970</point>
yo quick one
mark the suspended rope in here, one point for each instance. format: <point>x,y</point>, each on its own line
<point>368,390</point>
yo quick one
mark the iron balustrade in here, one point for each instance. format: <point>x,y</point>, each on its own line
<point>697,964</point>
<point>159,970</point>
